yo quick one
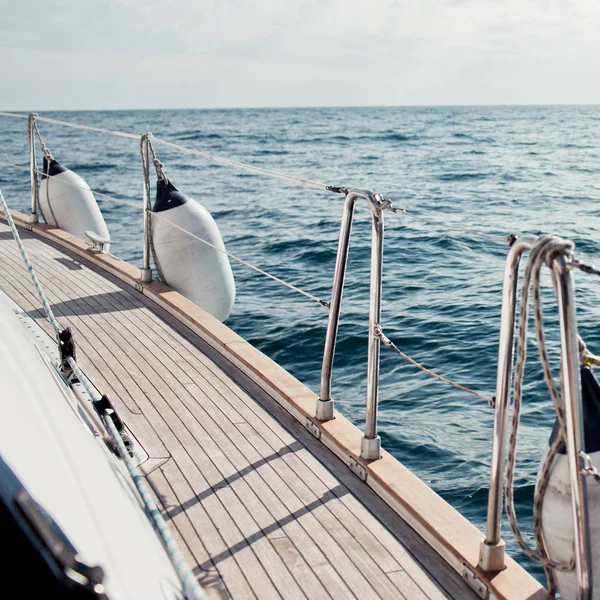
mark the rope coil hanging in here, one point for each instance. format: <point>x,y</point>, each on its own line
<point>544,251</point>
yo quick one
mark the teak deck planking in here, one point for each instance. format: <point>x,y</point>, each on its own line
<point>260,507</point>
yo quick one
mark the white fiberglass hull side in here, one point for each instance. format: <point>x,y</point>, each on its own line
<point>557,524</point>
<point>71,473</point>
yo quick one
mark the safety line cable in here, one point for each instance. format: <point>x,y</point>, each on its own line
<point>81,187</point>
<point>485,236</point>
<point>123,134</point>
<point>245,263</point>
<point>15,115</point>
<point>232,256</point>
<point>389,344</point>
<point>214,158</point>
<point>191,587</point>
<point>258,170</point>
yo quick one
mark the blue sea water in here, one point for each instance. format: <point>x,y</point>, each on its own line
<point>496,169</point>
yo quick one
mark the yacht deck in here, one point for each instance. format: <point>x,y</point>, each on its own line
<point>261,508</point>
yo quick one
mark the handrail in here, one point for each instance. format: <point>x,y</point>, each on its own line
<point>146,270</point>
<point>371,443</point>
<point>492,548</point>
<point>571,390</point>
<point>491,557</point>
<point>35,190</point>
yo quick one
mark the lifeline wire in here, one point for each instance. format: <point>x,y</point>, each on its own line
<point>389,344</point>
<point>257,170</point>
<point>245,263</point>
<point>252,169</point>
<point>485,236</point>
<point>214,158</point>
<point>81,187</point>
<point>232,256</point>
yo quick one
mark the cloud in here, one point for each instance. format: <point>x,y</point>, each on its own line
<point>161,53</point>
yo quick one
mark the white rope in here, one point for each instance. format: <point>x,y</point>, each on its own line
<point>36,283</point>
<point>244,262</point>
<point>389,344</point>
<point>544,250</point>
<point>191,587</point>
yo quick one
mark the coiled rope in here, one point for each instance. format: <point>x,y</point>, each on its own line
<point>191,587</point>
<point>546,248</point>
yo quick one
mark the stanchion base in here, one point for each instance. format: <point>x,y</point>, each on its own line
<point>370,448</point>
<point>324,411</point>
<point>491,558</point>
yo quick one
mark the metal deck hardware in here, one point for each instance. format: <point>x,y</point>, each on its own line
<point>371,443</point>
<point>33,217</point>
<point>312,427</point>
<point>476,584</point>
<point>96,243</point>
<point>357,469</point>
<point>146,271</point>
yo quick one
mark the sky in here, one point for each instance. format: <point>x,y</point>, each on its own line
<point>120,54</point>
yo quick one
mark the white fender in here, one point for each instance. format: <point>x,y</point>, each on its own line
<point>67,202</point>
<point>557,524</point>
<point>557,520</point>
<point>192,268</point>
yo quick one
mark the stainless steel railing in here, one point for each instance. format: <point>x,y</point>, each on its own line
<point>492,549</point>
<point>146,270</point>
<point>33,218</point>
<point>371,442</point>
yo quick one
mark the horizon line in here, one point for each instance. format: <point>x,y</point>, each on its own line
<point>310,107</point>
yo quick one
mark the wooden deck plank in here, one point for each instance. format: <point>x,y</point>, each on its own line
<point>371,545</point>
<point>259,512</point>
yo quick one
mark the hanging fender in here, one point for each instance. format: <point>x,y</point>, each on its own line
<point>557,522</point>
<point>197,271</point>
<point>67,202</point>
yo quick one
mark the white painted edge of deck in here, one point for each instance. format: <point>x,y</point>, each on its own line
<point>449,534</point>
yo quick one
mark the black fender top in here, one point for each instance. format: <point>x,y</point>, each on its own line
<point>167,196</point>
<point>590,400</point>
<point>52,167</point>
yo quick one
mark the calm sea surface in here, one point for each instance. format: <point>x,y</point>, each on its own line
<point>495,169</point>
